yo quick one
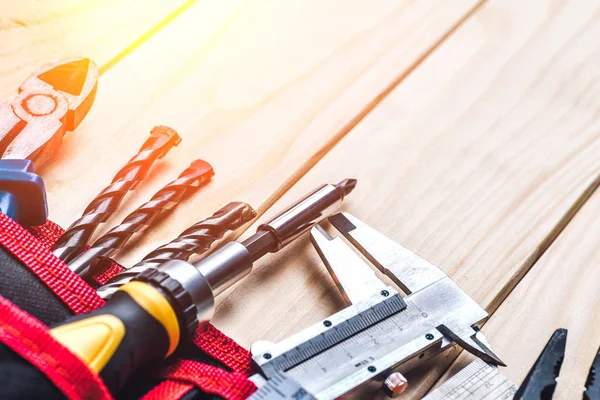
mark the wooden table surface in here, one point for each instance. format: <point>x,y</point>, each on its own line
<point>473,128</point>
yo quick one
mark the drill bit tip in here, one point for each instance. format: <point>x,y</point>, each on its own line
<point>239,213</point>
<point>347,186</point>
<point>163,138</point>
<point>201,167</point>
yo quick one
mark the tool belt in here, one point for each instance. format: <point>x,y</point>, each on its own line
<point>37,291</point>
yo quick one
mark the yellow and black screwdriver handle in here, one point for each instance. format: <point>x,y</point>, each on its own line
<point>142,323</point>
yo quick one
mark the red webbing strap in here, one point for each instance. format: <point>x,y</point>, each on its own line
<point>183,376</point>
<point>108,269</point>
<point>68,286</point>
<point>220,347</point>
<point>169,390</point>
<point>29,338</point>
<point>47,234</point>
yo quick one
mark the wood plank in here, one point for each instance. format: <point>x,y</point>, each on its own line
<point>260,89</point>
<point>32,33</point>
<point>560,291</point>
<point>472,162</point>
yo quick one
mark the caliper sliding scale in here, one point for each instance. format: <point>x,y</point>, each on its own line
<point>381,335</point>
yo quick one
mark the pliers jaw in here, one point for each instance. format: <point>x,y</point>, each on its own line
<point>51,102</point>
<point>540,383</point>
<point>592,386</point>
<point>76,79</point>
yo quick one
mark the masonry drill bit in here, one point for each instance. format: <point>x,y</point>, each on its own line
<point>198,173</point>
<point>197,239</point>
<point>71,243</point>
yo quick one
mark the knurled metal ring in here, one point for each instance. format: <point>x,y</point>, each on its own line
<point>178,297</point>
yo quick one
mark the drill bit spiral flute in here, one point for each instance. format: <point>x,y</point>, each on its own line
<point>197,239</point>
<point>198,173</point>
<point>71,243</point>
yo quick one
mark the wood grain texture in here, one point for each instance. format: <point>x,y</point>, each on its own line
<point>33,33</point>
<point>260,89</point>
<point>562,290</point>
<point>472,162</point>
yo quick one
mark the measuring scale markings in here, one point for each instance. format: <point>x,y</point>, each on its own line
<point>477,381</point>
<point>400,340</point>
<point>334,333</point>
<point>359,351</point>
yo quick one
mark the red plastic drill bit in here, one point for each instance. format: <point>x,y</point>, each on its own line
<point>198,173</point>
<point>71,243</point>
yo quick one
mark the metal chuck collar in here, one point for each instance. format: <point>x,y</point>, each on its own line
<point>217,272</point>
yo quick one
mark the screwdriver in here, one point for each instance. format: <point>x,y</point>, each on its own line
<point>147,318</point>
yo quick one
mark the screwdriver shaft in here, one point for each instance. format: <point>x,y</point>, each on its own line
<point>71,243</point>
<point>232,262</point>
<point>139,220</point>
<point>197,239</point>
<point>297,219</point>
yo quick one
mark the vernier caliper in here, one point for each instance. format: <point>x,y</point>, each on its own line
<point>380,335</point>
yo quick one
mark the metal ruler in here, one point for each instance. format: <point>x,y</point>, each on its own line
<point>477,381</point>
<point>281,387</point>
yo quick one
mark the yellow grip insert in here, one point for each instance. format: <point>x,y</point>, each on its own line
<point>94,340</point>
<point>155,303</point>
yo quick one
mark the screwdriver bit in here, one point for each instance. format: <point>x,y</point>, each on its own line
<point>297,219</point>
<point>198,173</point>
<point>71,243</point>
<point>197,239</point>
<point>232,262</point>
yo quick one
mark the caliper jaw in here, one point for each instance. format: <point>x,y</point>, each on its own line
<point>473,342</point>
<point>412,274</point>
<point>380,332</point>
<point>409,271</point>
<point>355,280</point>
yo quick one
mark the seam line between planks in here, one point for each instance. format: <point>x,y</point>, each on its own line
<point>354,121</point>
<point>545,244</point>
<point>147,35</point>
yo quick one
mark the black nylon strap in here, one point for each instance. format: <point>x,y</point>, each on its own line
<point>19,380</point>
<point>24,289</point>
